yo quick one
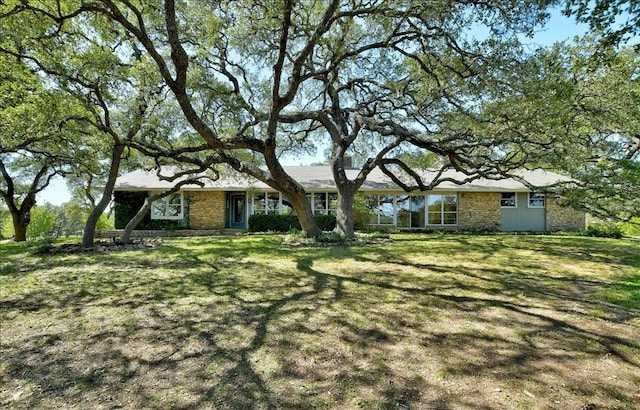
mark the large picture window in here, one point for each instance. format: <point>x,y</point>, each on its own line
<point>381,207</point>
<point>169,207</point>
<point>411,211</point>
<point>324,203</point>
<point>266,203</point>
<point>442,209</point>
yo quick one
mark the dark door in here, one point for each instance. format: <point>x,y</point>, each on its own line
<point>237,211</point>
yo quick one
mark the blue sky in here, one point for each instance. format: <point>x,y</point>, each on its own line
<point>558,28</point>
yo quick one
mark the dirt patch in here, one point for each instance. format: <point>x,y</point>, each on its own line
<point>98,247</point>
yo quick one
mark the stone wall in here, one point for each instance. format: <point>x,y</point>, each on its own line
<point>206,209</point>
<point>479,210</point>
<point>563,218</point>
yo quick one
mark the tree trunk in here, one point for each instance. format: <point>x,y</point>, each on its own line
<point>305,214</point>
<point>344,213</point>
<point>346,191</point>
<point>96,212</point>
<point>137,218</point>
<point>20,223</point>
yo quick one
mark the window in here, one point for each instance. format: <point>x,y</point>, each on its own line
<point>169,207</point>
<point>536,200</point>
<point>508,200</point>
<point>381,207</point>
<point>266,203</point>
<point>442,209</point>
<point>324,203</point>
<point>411,211</point>
<point>319,203</point>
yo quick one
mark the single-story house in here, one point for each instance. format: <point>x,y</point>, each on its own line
<point>484,204</point>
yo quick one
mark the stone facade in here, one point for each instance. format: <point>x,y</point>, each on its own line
<point>563,219</point>
<point>479,210</point>
<point>206,209</point>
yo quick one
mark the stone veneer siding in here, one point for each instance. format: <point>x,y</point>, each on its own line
<point>206,209</point>
<point>560,218</point>
<point>479,210</point>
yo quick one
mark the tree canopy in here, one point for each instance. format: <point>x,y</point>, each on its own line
<point>39,136</point>
<point>247,82</point>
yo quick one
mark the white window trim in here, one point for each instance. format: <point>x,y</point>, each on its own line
<point>165,216</point>
<point>391,223</point>
<point>442,211</point>
<point>266,209</point>
<point>516,200</point>
<point>544,201</point>
<point>327,210</point>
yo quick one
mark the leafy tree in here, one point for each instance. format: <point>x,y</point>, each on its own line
<point>257,80</point>
<point>37,127</point>
<point>585,114</point>
<point>618,20</point>
<point>118,96</point>
<point>42,223</point>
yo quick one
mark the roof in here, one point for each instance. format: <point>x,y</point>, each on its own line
<point>317,178</point>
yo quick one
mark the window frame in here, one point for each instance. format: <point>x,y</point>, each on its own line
<point>264,197</point>
<point>323,202</point>
<point>378,211</point>
<point>167,205</point>
<point>536,196</point>
<point>443,213</point>
<point>515,200</point>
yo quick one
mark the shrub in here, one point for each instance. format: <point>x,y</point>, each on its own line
<point>361,213</point>
<point>127,205</point>
<point>603,230</point>
<point>286,223</point>
<point>631,228</point>
<point>331,237</point>
<point>325,222</point>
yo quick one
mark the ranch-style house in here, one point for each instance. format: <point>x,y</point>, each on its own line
<point>501,205</point>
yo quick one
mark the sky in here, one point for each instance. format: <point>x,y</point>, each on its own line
<point>558,28</point>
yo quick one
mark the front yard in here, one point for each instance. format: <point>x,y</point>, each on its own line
<point>419,322</point>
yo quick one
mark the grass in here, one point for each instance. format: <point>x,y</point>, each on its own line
<point>421,322</point>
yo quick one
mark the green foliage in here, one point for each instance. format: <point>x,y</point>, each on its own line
<point>273,223</point>
<point>361,213</point>
<point>631,228</point>
<point>604,230</point>
<point>331,237</point>
<point>42,224</point>
<point>127,205</point>
<point>7,228</point>
<point>105,222</point>
<point>286,223</point>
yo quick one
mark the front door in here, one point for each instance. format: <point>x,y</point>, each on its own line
<point>237,211</point>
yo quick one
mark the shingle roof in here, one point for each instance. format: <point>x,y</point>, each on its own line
<point>316,178</point>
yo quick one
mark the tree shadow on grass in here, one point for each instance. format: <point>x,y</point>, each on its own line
<point>189,330</point>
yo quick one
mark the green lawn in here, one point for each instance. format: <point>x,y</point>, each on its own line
<point>419,322</point>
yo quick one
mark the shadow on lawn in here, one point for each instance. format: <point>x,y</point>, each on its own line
<point>209,328</point>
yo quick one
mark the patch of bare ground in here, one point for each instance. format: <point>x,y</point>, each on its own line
<point>99,246</point>
<point>420,322</point>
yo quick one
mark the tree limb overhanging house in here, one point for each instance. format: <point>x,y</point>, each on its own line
<point>523,203</point>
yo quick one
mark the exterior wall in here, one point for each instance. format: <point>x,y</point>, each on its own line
<point>479,210</point>
<point>563,219</point>
<point>206,209</point>
<point>522,217</point>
